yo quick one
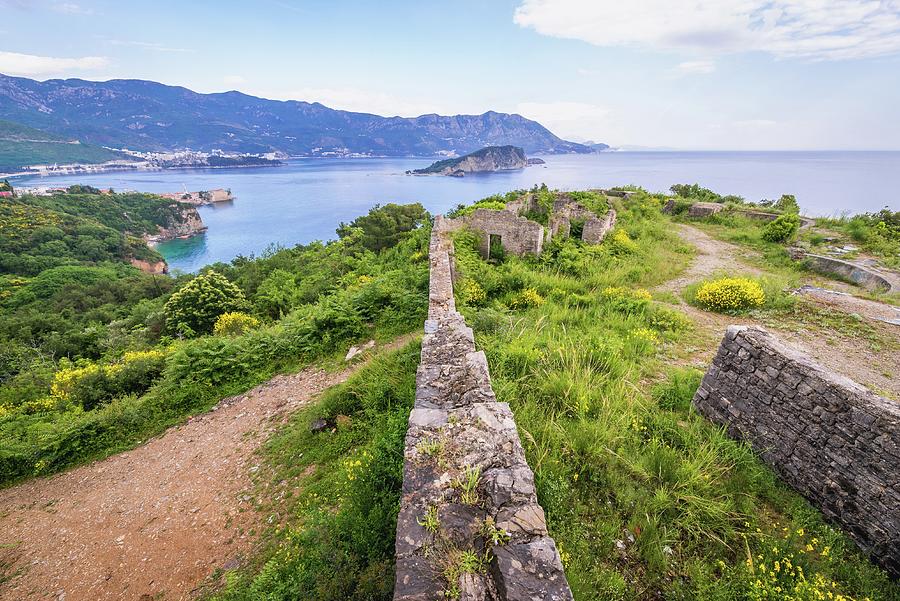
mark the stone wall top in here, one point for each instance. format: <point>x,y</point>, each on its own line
<point>467,489</point>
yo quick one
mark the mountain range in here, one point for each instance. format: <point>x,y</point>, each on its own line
<point>149,116</point>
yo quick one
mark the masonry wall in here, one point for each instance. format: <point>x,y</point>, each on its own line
<point>457,429</point>
<point>834,441</point>
<point>518,235</point>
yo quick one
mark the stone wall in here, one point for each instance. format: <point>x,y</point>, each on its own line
<point>704,209</point>
<point>466,485</point>
<point>518,235</point>
<point>834,441</point>
<point>858,274</point>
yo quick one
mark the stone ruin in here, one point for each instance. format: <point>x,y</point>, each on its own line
<point>832,440</point>
<point>467,489</point>
<point>519,235</point>
<point>704,209</point>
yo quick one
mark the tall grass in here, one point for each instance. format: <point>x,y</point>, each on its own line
<point>645,498</point>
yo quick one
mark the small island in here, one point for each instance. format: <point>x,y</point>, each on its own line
<point>485,160</point>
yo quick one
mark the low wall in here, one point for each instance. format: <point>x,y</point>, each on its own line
<point>850,271</point>
<point>834,441</point>
<point>466,485</point>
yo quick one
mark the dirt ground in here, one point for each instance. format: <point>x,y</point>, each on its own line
<point>847,353</point>
<point>156,521</point>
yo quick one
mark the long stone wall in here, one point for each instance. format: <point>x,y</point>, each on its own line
<point>467,491</point>
<point>834,441</point>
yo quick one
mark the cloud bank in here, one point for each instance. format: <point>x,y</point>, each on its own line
<point>808,29</point>
<point>29,65</point>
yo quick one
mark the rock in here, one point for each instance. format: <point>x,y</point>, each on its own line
<point>358,350</point>
<point>321,424</point>
<point>343,421</point>
<point>704,209</point>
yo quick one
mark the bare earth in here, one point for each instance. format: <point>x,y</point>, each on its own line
<point>156,521</point>
<point>846,354</point>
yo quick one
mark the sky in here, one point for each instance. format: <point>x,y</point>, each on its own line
<point>685,74</point>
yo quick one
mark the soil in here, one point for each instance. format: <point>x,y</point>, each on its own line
<point>842,352</point>
<point>154,522</point>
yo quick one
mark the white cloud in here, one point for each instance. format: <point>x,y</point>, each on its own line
<point>28,65</point>
<point>154,46</point>
<point>71,8</point>
<point>363,101</point>
<point>812,29</point>
<point>756,123</point>
<point>570,120</point>
<point>694,68</point>
<point>234,80</point>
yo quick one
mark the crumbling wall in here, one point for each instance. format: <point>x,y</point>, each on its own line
<point>704,209</point>
<point>518,235</point>
<point>466,486</point>
<point>834,441</point>
<point>595,229</point>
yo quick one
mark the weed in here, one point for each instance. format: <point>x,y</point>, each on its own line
<point>467,483</point>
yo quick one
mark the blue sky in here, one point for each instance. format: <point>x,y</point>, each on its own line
<point>730,74</point>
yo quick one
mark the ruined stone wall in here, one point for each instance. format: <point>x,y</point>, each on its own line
<point>518,235</point>
<point>466,485</point>
<point>595,229</point>
<point>834,441</point>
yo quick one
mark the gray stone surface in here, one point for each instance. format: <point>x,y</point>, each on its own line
<point>832,440</point>
<point>459,434</point>
<point>704,209</point>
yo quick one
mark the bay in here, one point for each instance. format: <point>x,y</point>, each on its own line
<point>306,199</point>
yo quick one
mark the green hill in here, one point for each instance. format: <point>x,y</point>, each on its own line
<point>21,145</point>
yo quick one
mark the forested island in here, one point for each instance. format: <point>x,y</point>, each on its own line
<point>484,160</point>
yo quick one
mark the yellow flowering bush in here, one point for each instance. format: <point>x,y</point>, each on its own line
<point>529,297</point>
<point>234,323</point>
<point>626,300</point>
<point>90,384</point>
<point>621,243</point>
<point>471,293</point>
<point>728,295</point>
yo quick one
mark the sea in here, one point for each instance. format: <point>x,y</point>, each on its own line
<point>306,199</point>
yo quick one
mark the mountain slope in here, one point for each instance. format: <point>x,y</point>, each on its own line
<point>21,145</point>
<point>145,115</point>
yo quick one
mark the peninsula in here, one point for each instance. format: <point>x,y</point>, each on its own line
<point>485,160</point>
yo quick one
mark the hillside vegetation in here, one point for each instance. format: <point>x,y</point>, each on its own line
<point>645,499</point>
<point>21,146</point>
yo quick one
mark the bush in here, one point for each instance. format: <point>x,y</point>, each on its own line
<point>729,295</point>
<point>621,243</point>
<point>384,226</point>
<point>194,309</point>
<point>90,385</point>
<point>234,324</point>
<point>782,229</point>
<point>626,300</point>
<point>528,297</point>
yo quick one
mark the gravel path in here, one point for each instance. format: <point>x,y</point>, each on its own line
<point>154,522</point>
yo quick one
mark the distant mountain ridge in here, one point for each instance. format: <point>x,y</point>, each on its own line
<point>144,115</point>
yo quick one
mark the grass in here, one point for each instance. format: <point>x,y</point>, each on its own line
<point>645,498</point>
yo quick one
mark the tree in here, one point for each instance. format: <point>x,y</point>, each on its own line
<point>194,309</point>
<point>384,226</point>
<point>276,294</point>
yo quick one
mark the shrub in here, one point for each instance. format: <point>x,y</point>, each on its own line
<point>728,295</point>
<point>90,384</point>
<point>782,229</point>
<point>528,297</point>
<point>194,309</point>
<point>471,293</point>
<point>626,300</point>
<point>621,243</point>
<point>234,323</point>
<point>384,226</point>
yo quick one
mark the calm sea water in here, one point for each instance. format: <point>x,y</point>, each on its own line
<point>306,199</point>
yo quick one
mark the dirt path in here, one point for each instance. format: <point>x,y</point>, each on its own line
<point>713,256</point>
<point>843,352</point>
<point>154,522</point>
